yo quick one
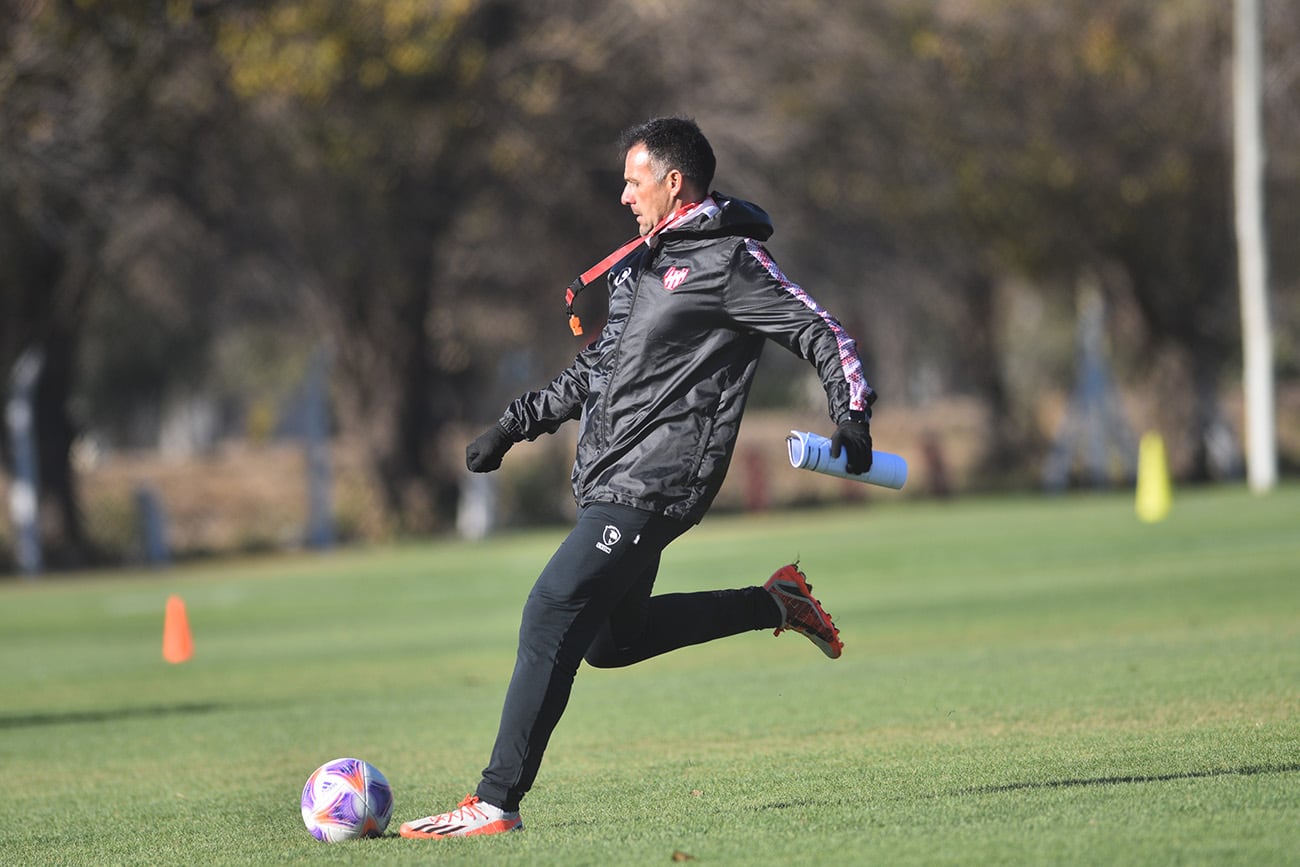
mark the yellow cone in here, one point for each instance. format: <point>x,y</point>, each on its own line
<point>1154,494</point>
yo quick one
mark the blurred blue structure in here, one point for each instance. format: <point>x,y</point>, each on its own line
<point>24,493</point>
<point>1094,428</point>
<point>316,444</point>
<point>153,527</point>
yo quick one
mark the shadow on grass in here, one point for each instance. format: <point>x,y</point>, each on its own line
<point>1249,771</point>
<point>74,717</point>
<point>800,803</point>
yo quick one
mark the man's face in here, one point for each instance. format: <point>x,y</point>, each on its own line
<point>650,200</point>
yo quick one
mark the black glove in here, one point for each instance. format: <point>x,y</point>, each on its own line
<point>485,453</point>
<point>854,439</point>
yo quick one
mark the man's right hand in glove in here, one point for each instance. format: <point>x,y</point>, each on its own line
<point>485,453</point>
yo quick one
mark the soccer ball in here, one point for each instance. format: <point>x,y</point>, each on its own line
<point>346,798</point>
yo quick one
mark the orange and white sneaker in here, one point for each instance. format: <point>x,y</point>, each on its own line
<point>471,818</point>
<point>802,613</point>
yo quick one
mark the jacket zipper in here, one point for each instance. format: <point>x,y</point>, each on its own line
<point>618,354</point>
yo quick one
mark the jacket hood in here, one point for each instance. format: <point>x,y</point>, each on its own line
<point>722,216</point>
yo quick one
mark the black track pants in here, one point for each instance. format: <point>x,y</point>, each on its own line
<point>593,600</point>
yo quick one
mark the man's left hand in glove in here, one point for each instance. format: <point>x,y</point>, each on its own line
<point>853,437</point>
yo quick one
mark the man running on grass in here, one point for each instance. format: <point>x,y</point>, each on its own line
<point>659,396</point>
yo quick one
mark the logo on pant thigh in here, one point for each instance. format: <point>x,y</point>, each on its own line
<point>609,538</point>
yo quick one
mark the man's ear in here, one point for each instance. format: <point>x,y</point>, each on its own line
<point>675,181</point>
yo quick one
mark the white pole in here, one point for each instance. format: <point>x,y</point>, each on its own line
<point>1252,252</point>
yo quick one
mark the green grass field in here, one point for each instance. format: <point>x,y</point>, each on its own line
<point>1036,681</point>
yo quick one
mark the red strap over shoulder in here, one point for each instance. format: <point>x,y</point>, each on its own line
<point>595,272</point>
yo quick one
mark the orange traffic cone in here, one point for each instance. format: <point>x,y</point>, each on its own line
<point>177,644</point>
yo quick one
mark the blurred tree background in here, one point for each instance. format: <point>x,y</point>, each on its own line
<point>198,196</point>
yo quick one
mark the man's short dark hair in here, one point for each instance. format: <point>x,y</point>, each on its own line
<point>674,143</point>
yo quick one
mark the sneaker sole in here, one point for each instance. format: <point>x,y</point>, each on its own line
<point>499,827</point>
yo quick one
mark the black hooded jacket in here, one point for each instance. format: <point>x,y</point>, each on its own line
<point>661,390</point>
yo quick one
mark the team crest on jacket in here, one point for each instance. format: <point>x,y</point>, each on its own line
<point>675,277</point>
